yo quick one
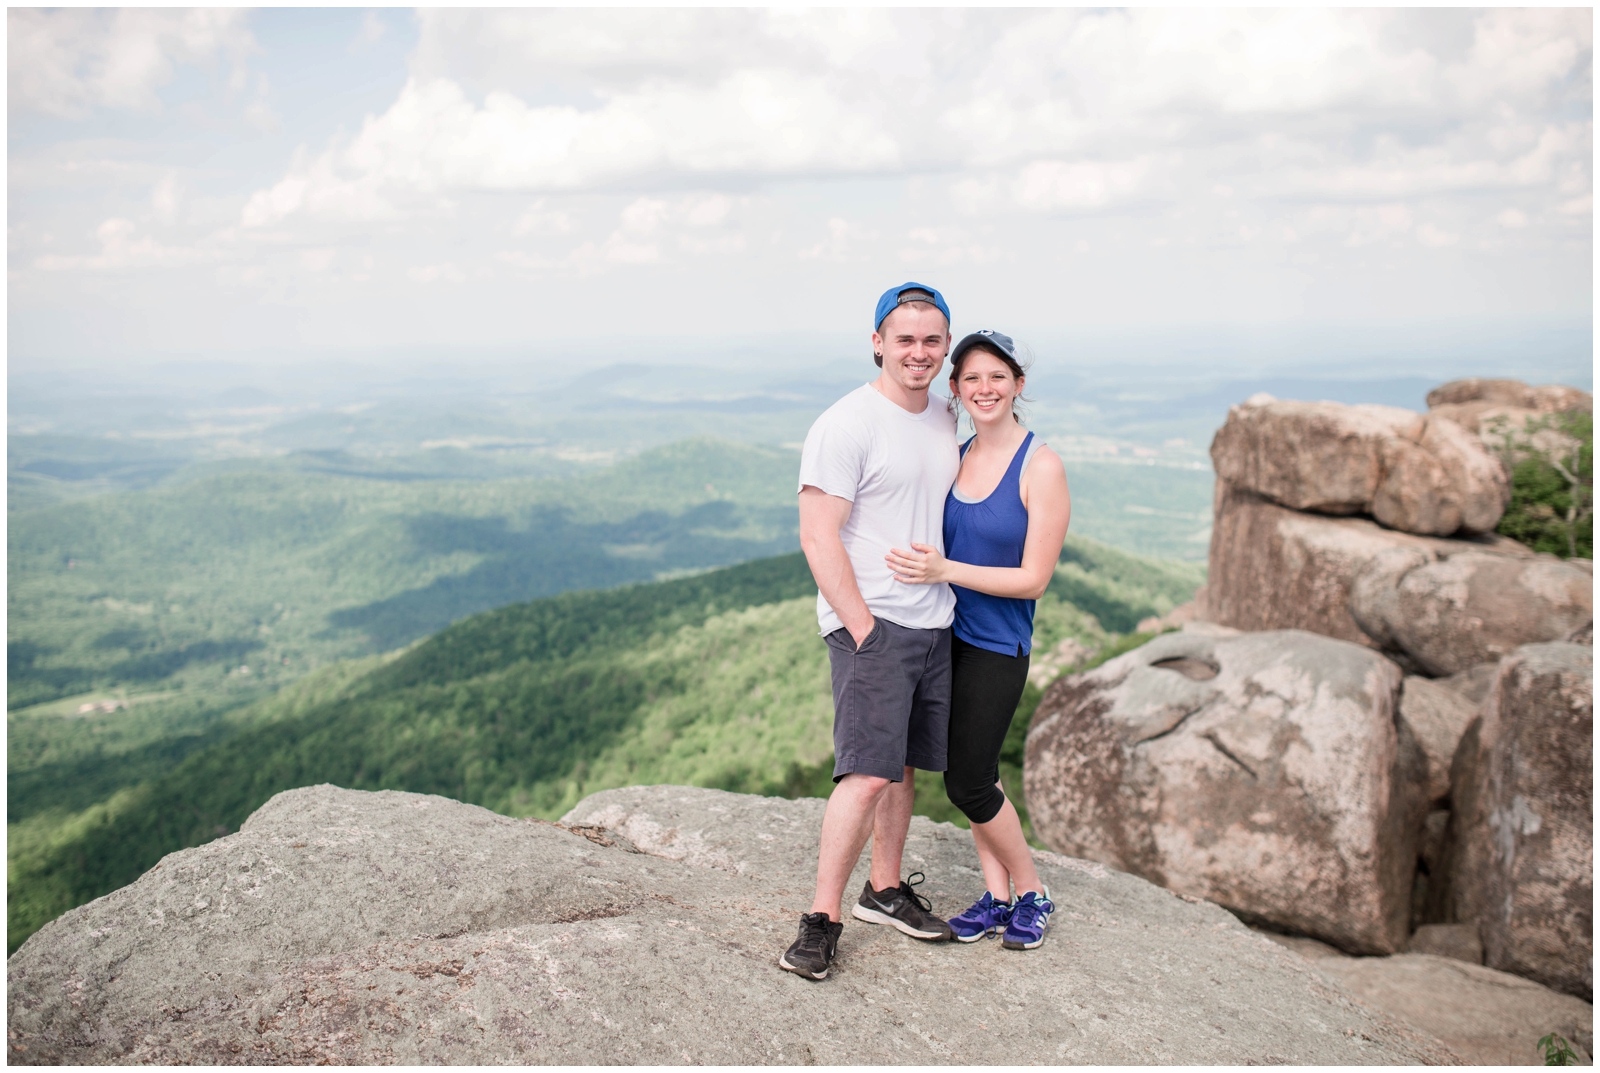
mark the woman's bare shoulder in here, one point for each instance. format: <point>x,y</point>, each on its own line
<point>1046,463</point>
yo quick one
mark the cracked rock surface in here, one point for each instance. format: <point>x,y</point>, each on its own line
<point>352,927</point>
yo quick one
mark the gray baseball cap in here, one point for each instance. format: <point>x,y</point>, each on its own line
<point>985,338</point>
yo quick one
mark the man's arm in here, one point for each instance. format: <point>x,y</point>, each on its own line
<point>821,518</point>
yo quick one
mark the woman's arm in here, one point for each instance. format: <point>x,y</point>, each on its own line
<point>1049,503</point>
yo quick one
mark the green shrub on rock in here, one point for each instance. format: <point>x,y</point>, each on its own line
<point>1552,485</point>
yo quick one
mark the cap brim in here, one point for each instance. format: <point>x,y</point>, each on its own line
<point>971,341</point>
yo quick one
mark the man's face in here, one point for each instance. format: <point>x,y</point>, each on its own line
<point>913,339</point>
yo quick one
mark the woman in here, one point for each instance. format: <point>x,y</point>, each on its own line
<point>1004,520</point>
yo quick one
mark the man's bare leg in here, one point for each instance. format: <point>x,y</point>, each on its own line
<point>889,829</point>
<point>852,807</point>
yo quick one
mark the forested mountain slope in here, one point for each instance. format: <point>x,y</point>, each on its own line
<point>281,570</point>
<point>713,680</point>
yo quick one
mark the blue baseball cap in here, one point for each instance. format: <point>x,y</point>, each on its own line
<point>908,292</point>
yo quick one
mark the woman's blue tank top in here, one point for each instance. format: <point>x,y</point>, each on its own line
<point>991,532</point>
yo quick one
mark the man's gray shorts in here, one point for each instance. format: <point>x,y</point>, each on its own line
<point>891,700</point>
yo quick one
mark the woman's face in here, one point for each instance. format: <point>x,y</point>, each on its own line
<point>986,387</point>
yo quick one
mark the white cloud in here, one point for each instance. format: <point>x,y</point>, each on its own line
<point>435,139</point>
<point>318,261</point>
<point>1524,51</point>
<point>164,198</point>
<point>1579,206</point>
<point>1058,184</point>
<point>372,30</point>
<point>1063,111</point>
<point>1303,153</point>
<point>648,230</point>
<point>526,262</point>
<point>1357,226</point>
<point>1429,235</point>
<point>258,114</point>
<point>1399,170</point>
<point>66,61</point>
<point>587,52</point>
<point>447,272</point>
<point>1069,186</point>
<point>845,240</point>
<point>538,219</point>
<point>943,247</point>
<point>123,247</point>
<point>653,229</point>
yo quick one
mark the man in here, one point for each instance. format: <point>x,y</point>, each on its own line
<point>873,476</point>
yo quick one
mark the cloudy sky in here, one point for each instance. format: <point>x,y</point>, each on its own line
<point>223,182</point>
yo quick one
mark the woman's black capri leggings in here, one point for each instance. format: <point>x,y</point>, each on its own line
<point>984,689</point>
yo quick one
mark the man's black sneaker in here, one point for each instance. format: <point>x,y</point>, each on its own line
<point>813,951</point>
<point>903,908</point>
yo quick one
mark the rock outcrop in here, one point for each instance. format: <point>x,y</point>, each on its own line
<point>1369,525</point>
<point>1520,852</point>
<point>1267,772</point>
<point>1410,472</point>
<point>1272,568</point>
<point>1441,605</point>
<point>1476,404</point>
<point>1449,614</point>
<point>1477,391</point>
<point>346,927</point>
<point>1486,1017</point>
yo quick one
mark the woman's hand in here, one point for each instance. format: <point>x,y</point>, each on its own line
<point>922,565</point>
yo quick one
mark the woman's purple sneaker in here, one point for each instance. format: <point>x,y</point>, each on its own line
<point>986,917</point>
<point>1030,917</point>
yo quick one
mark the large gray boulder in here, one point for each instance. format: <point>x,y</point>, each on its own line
<point>1450,613</point>
<point>1272,568</point>
<point>1409,471</point>
<point>1267,772</point>
<point>1519,859</point>
<point>346,927</point>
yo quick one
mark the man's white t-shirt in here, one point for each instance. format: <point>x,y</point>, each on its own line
<point>896,468</point>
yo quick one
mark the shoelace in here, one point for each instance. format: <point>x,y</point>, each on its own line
<point>994,931</point>
<point>916,879</point>
<point>976,911</point>
<point>1026,913</point>
<point>814,935</point>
